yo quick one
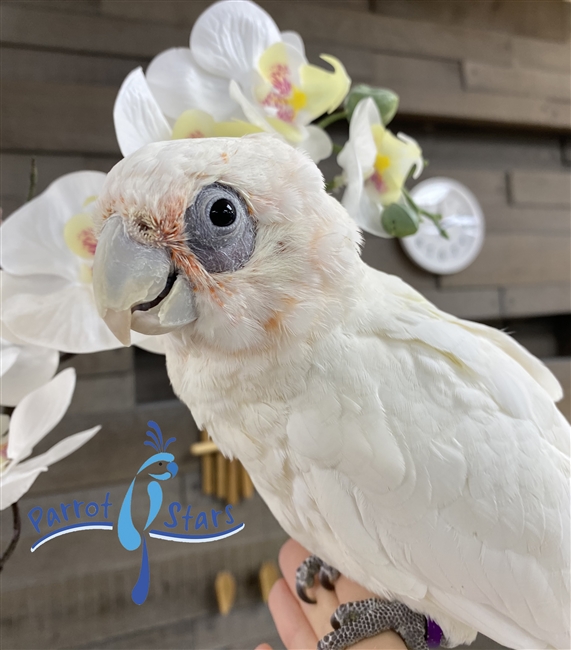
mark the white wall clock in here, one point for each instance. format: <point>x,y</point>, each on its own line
<point>462,218</point>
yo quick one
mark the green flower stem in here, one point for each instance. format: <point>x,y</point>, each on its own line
<point>17,528</point>
<point>335,183</point>
<point>435,218</point>
<point>33,180</point>
<point>331,119</point>
<point>337,148</point>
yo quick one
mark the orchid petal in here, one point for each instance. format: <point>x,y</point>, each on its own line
<point>8,355</point>
<point>370,217</point>
<point>65,319</point>
<point>418,160</point>
<point>294,40</point>
<point>14,485</point>
<point>324,90</point>
<point>32,237</point>
<point>193,124</point>
<point>253,113</point>
<point>229,37</point>
<point>349,162</point>
<point>291,132</point>
<point>137,115</point>
<point>234,129</point>
<point>38,413</point>
<point>286,61</point>
<point>60,450</point>
<point>178,84</point>
<point>365,116</point>
<point>317,144</point>
<point>34,367</point>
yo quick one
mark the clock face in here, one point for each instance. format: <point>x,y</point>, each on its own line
<point>462,218</point>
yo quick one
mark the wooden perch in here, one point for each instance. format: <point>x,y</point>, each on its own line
<point>220,477</point>
<point>268,575</point>
<point>225,587</point>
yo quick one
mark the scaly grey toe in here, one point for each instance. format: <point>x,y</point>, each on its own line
<point>366,618</point>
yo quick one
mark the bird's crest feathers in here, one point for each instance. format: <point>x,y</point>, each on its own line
<point>156,436</point>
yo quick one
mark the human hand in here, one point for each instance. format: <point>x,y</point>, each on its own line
<point>301,625</point>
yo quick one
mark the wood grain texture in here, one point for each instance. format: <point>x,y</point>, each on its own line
<point>519,219</point>
<point>15,170</point>
<point>534,19</point>
<point>561,368</point>
<point>474,304</point>
<point>387,256</point>
<point>62,30</point>
<point>342,26</point>
<point>64,67</point>
<point>480,108</point>
<point>58,117</point>
<point>540,188</point>
<point>544,55</point>
<point>516,81</point>
<point>537,300</point>
<point>489,186</point>
<point>522,259</point>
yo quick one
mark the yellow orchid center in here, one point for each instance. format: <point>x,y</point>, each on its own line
<point>382,163</point>
<point>79,235</point>
<point>80,238</point>
<point>4,460</point>
<point>195,123</point>
<point>287,92</point>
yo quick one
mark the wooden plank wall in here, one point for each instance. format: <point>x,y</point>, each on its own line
<point>509,97</point>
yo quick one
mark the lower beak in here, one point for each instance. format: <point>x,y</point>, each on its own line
<point>135,288</point>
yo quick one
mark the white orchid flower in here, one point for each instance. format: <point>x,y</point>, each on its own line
<point>23,368</point>
<point>139,119</point>
<point>47,254</point>
<point>376,164</point>
<point>238,64</point>
<point>34,417</point>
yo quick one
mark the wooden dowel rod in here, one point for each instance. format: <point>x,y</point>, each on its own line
<point>204,447</point>
<point>233,496</point>
<point>221,476</point>
<point>247,485</point>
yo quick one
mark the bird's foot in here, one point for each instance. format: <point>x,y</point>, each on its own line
<point>305,576</point>
<point>363,619</point>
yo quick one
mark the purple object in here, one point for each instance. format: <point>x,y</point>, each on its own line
<point>433,633</point>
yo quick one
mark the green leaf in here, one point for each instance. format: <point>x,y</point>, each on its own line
<point>386,100</point>
<point>400,220</point>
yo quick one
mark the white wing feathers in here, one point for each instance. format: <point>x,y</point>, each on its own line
<point>445,452</point>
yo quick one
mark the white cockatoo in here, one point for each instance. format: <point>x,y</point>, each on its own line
<point>419,454</point>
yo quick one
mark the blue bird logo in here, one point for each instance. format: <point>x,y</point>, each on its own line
<point>163,466</point>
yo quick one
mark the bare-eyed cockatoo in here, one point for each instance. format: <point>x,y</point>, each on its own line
<point>420,455</point>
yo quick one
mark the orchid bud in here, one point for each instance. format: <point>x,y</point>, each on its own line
<point>400,220</point>
<point>386,100</point>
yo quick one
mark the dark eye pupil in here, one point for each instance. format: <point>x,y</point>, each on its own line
<point>160,463</point>
<point>222,213</point>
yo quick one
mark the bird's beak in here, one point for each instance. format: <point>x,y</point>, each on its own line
<point>172,467</point>
<point>135,288</point>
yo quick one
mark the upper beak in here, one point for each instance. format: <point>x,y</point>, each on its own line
<point>134,287</point>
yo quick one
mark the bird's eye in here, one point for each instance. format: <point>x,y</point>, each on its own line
<point>222,213</point>
<point>160,464</point>
<point>220,231</point>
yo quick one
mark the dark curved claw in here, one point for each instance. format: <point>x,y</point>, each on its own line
<point>303,595</point>
<point>327,577</point>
